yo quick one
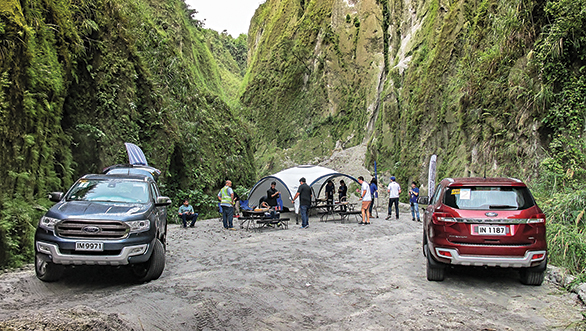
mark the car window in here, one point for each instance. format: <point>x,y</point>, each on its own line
<point>489,197</point>
<point>436,195</point>
<point>154,191</point>
<point>109,190</point>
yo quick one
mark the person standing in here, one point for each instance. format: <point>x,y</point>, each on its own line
<point>186,213</point>
<point>272,195</point>
<point>366,198</point>
<point>226,197</point>
<point>342,191</point>
<point>236,204</point>
<point>413,195</point>
<point>374,194</point>
<point>304,194</point>
<point>330,188</point>
<point>394,190</point>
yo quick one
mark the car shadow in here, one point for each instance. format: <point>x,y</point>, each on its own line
<point>98,276</point>
<point>483,274</point>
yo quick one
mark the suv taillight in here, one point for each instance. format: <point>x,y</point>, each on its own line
<point>538,218</point>
<point>442,219</point>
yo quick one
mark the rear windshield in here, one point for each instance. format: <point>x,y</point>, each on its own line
<point>489,198</point>
<point>109,190</point>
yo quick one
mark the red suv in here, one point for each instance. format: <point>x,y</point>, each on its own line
<point>492,222</point>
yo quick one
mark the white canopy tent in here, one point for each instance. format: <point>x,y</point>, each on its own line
<point>288,183</point>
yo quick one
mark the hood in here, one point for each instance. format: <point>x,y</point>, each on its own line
<point>98,210</point>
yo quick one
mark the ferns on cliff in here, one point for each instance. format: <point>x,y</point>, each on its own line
<point>79,78</point>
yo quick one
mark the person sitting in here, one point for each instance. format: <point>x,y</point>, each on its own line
<point>186,213</point>
<point>262,203</point>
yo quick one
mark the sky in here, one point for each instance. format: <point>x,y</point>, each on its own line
<point>231,15</point>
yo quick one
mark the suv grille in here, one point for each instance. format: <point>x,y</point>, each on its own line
<point>87,229</point>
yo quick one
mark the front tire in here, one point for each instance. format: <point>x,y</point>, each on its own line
<point>46,270</point>
<point>436,271</point>
<point>153,268</point>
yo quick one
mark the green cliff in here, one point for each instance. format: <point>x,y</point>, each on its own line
<point>80,78</point>
<point>489,86</point>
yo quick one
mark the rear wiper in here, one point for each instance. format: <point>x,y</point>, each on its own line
<point>501,207</point>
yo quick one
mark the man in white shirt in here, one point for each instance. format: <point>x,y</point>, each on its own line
<point>366,198</point>
<point>394,190</point>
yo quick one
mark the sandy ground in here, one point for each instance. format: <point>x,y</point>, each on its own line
<point>332,276</point>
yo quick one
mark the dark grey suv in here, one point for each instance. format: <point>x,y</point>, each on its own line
<point>113,219</point>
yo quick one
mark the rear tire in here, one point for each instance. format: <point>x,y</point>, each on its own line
<point>153,268</point>
<point>46,270</point>
<point>533,276</point>
<point>436,271</point>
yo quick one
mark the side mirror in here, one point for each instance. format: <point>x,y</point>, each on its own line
<point>162,201</point>
<point>423,200</point>
<point>56,196</point>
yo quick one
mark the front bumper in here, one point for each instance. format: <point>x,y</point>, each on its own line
<point>530,259</point>
<point>123,258</point>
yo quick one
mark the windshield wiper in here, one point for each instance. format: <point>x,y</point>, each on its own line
<point>501,207</point>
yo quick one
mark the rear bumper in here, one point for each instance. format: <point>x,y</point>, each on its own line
<point>124,258</point>
<point>530,259</point>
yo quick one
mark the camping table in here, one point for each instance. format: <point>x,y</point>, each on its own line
<point>257,220</point>
<point>327,210</point>
<point>344,215</point>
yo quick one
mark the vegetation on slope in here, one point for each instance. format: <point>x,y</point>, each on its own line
<point>79,78</point>
<point>491,87</point>
<point>310,74</point>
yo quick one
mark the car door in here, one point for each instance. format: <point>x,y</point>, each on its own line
<point>160,211</point>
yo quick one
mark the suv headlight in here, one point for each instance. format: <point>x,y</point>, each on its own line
<point>48,223</point>
<point>139,226</point>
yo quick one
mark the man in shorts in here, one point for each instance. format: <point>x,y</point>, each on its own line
<point>366,198</point>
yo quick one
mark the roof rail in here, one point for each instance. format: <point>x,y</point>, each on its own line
<point>515,179</point>
<point>451,180</point>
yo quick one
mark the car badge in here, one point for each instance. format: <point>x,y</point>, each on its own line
<point>91,229</point>
<point>491,214</point>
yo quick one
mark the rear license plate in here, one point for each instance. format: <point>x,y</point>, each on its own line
<point>491,230</point>
<point>92,246</point>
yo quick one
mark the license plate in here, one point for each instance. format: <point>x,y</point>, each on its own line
<point>91,246</point>
<point>491,230</point>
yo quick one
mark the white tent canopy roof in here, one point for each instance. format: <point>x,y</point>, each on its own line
<point>288,182</point>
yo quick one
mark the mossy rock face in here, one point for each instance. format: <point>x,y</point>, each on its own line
<point>313,78</point>
<point>78,79</point>
<point>12,11</point>
<point>416,78</point>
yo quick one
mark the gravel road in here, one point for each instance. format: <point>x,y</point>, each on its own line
<point>332,276</point>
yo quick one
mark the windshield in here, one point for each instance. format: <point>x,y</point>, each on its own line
<point>489,198</point>
<point>109,190</point>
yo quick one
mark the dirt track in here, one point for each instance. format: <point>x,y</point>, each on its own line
<point>332,276</point>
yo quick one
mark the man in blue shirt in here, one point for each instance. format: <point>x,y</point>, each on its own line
<point>374,194</point>
<point>413,195</point>
<point>186,213</point>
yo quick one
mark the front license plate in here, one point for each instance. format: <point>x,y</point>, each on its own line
<point>92,246</point>
<point>491,230</point>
